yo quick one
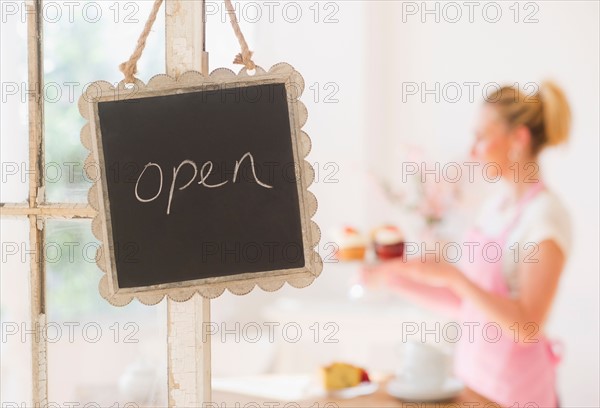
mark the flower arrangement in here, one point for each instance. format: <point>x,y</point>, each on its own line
<point>423,194</point>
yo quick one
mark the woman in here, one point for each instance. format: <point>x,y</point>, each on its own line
<point>516,364</point>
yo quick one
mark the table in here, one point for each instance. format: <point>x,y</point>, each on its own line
<point>380,399</point>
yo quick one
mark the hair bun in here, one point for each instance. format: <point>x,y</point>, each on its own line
<point>556,111</point>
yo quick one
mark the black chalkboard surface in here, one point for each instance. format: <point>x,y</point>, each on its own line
<point>201,184</point>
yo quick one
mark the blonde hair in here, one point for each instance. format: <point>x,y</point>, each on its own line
<point>545,113</point>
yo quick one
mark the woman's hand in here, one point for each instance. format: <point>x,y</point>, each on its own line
<point>438,274</point>
<point>395,272</point>
<point>370,275</point>
<point>426,283</point>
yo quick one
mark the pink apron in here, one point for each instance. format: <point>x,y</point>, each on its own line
<point>491,362</point>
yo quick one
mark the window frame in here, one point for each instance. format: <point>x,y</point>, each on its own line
<point>180,16</point>
<point>36,209</point>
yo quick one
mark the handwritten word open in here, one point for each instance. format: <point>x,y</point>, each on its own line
<point>205,171</point>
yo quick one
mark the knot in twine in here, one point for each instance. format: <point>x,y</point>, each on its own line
<point>245,59</point>
<point>129,69</point>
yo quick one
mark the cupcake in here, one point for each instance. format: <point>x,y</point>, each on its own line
<point>351,244</point>
<point>389,242</point>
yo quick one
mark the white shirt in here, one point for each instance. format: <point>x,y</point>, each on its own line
<point>542,218</point>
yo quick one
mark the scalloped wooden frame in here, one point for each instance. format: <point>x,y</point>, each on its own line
<point>191,81</point>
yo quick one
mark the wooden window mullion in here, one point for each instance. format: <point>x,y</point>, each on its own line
<point>36,209</point>
<point>39,361</point>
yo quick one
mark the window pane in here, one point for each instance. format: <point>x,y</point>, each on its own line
<point>13,108</point>
<point>15,313</point>
<point>98,353</point>
<point>86,42</point>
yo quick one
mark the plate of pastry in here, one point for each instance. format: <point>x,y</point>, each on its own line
<point>343,381</point>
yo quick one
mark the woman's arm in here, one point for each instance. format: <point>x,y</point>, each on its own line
<point>538,282</point>
<point>440,299</point>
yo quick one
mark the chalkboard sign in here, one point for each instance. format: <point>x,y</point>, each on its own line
<point>201,184</point>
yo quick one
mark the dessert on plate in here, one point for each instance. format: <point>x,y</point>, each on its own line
<point>351,244</point>
<point>338,376</point>
<point>388,241</point>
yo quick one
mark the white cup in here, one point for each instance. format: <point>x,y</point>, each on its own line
<point>422,367</point>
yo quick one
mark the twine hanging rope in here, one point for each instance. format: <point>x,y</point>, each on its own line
<point>129,67</point>
<point>245,57</point>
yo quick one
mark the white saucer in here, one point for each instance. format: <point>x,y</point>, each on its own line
<point>401,390</point>
<point>365,388</point>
